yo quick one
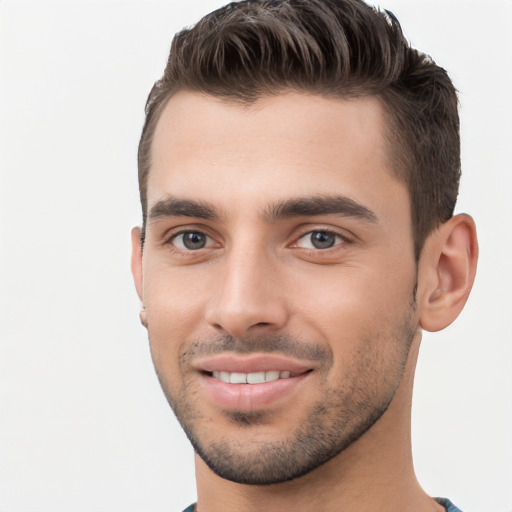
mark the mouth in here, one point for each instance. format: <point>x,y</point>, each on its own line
<point>251,383</point>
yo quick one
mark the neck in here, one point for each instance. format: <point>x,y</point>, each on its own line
<point>375,473</point>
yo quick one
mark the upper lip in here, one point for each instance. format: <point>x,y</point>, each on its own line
<point>251,364</point>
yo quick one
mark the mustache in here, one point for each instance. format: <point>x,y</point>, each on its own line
<point>285,345</point>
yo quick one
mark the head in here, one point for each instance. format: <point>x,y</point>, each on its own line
<point>298,172</point>
<point>341,49</point>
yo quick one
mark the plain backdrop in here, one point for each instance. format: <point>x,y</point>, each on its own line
<point>84,425</point>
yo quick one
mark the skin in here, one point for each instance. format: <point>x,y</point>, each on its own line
<point>259,279</point>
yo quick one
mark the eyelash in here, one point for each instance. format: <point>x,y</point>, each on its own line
<point>188,252</point>
<point>344,240</point>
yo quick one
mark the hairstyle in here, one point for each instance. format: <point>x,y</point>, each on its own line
<point>333,48</point>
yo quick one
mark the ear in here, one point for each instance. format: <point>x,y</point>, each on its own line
<point>137,270</point>
<point>447,271</point>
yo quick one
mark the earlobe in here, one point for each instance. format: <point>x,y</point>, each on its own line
<point>447,267</point>
<point>142,316</point>
<point>136,265</point>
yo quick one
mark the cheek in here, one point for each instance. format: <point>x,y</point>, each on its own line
<point>174,301</point>
<point>354,291</point>
<point>369,339</point>
<point>351,306</point>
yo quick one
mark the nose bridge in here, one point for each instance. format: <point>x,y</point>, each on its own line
<point>249,294</point>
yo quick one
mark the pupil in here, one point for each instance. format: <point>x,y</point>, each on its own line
<point>322,240</point>
<point>194,240</point>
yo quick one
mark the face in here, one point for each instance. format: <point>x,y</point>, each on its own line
<point>277,278</point>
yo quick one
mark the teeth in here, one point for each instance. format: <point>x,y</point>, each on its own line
<point>255,378</point>
<point>250,378</point>
<point>238,378</point>
<point>270,376</point>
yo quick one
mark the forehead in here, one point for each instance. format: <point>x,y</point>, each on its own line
<point>290,144</point>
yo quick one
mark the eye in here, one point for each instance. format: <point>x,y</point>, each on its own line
<point>191,240</point>
<point>319,240</point>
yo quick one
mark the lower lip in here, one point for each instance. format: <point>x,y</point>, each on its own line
<point>248,397</point>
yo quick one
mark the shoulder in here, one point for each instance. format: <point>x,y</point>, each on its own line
<point>191,508</point>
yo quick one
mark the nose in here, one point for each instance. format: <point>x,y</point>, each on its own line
<point>250,298</point>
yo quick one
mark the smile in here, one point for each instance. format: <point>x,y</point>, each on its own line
<point>251,378</point>
<point>251,382</point>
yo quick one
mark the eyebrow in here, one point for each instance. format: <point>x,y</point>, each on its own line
<point>319,205</point>
<point>297,207</point>
<point>174,207</point>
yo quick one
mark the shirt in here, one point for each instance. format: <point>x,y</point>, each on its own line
<point>447,504</point>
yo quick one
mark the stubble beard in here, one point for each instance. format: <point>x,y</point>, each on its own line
<point>346,412</point>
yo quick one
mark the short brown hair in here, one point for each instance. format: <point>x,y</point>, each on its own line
<point>334,48</point>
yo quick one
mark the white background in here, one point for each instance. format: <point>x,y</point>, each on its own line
<point>83,423</point>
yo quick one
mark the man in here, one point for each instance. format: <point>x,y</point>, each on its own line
<point>298,171</point>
